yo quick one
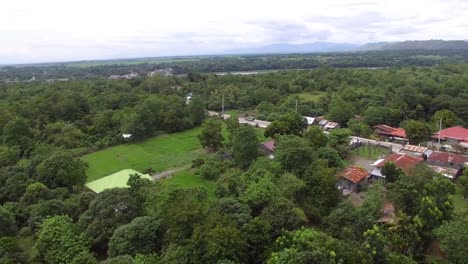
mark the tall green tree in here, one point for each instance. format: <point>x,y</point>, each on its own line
<point>61,169</point>
<point>109,210</point>
<point>143,235</point>
<point>316,137</point>
<point>417,131</point>
<point>293,153</point>
<point>59,240</point>
<point>211,134</point>
<point>453,239</point>
<point>18,133</point>
<point>245,146</point>
<point>448,118</point>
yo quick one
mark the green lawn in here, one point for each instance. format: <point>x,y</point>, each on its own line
<point>460,204</point>
<point>373,154</point>
<point>159,153</point>
<point>186,179</point>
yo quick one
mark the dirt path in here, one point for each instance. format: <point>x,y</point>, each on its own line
<point>168,173</point>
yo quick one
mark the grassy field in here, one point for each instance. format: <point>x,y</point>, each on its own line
<point>186,179</point>
<point>374,153</point>
<point>460,204</point>
<point>159,153</point>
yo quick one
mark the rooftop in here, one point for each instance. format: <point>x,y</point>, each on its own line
<point>413,148</point>
<point>118,179</point>
<point>447,172</point>
<point>456,132</point>
<point>354,174</point>
<point>396,132</point>
<point>269,145</point>
<point>446,157</point>
<point>401,160</point>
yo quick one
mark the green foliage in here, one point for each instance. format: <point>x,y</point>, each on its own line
<point>245,146</point>
<point>293,153</point>
<point>290,123</point>
<point>449,118</point>
<point>143,235</point>
<point>212,168</point>
<point>417,131</point>
<point>11,252</point>
<point>210,135</point>
<point>453,239</point>
<point>311,246</point>
<point>320,191</point>
<point>339,139</point>
<point>391,172</point>
<point>282,214</point>
<point>124,259</point>
<point>18,133</point>
<point>463,182</point>
<point>316,137</point>
<point>110,209</point>
<point>8,155</point>
<point>7,222</point>
<point>340,111</point>
<point>59,241</point>
<point>61,169</point>
<point>196,110</point>
<point>359,128</point>
<point>36,192</point>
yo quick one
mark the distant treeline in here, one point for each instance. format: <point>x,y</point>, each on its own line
<point>44,72</point>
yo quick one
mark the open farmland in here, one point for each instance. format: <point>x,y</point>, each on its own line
<point>159,153</point>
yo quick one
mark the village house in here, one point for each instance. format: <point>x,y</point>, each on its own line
<point>390,133</point>
<point>268,149</point>
<point>449,160</point>
<point>454,136</point>
<point>351,179</point>
<point>417,151</point>
<point>450,165</point>
<point>401,160</point>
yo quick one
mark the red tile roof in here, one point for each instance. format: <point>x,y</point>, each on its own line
<point>401,160</point>
<point>445,157</point>
<point>270,145</point>
<point>396,132</point>
<point>354,174</point>
<point>456,132</point>
<point>413,148</point>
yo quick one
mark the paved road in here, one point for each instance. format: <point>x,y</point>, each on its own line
<point>213,113</point>
<point>395,147</point>
<point>260,123</point>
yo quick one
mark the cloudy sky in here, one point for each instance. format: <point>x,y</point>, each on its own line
<point>63,30</point>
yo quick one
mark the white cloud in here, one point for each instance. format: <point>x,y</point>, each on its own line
<point>51,30</point>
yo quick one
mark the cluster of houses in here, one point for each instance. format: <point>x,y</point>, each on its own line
<point>448,164</point>
<point>326,125</point>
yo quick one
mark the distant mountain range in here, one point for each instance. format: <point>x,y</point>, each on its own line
<point>283,48</point>
<point>296,48</point>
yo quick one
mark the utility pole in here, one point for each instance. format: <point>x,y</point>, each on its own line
<point>440,128</point>
<point>296,105</point>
